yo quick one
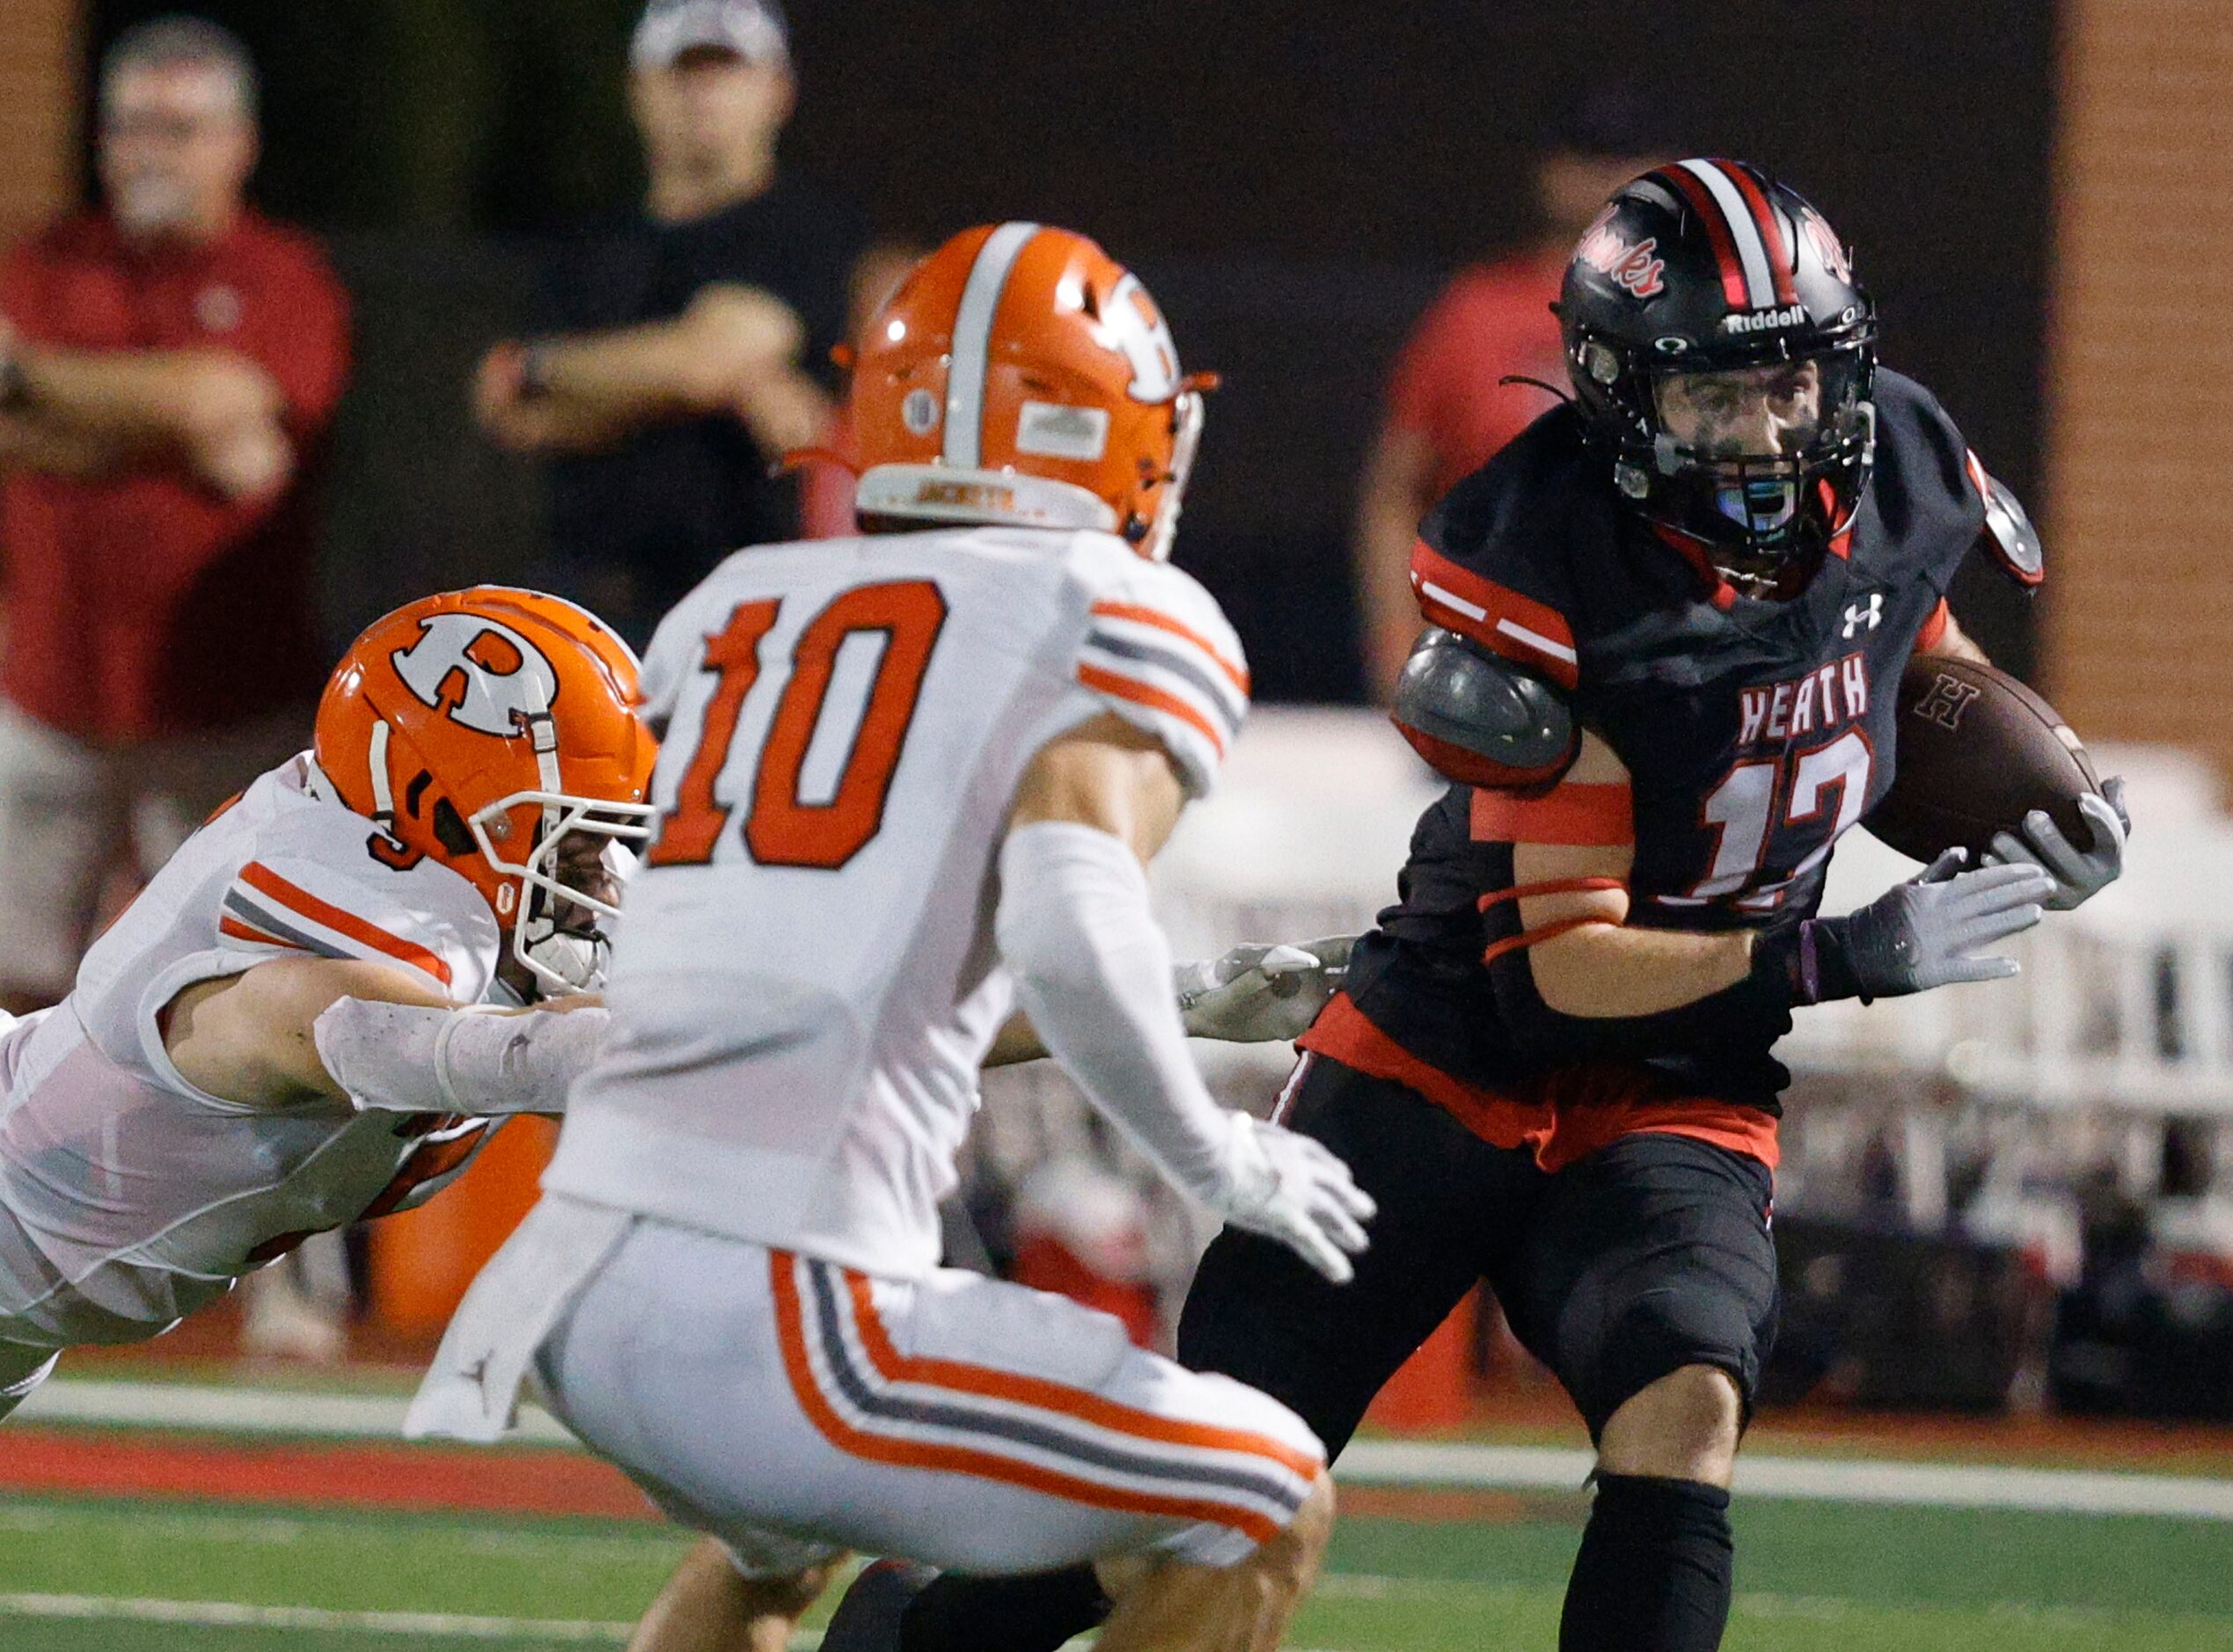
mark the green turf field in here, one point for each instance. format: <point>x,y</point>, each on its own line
<point>79,1577</point>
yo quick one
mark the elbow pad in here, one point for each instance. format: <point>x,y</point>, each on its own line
<point>2008,535</point>
<point>1480,720</point>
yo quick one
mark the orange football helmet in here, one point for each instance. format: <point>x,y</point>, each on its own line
<point>489,730</point>
<point>1020,375</point>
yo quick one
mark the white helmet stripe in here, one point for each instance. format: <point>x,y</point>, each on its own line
<point>1751,251</point>
<point>973,343</point>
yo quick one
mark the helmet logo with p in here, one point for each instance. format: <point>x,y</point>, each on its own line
<point>486,676</point>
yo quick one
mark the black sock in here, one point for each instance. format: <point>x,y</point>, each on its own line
<point>1655,1571</point>
<point>1034,1614</point>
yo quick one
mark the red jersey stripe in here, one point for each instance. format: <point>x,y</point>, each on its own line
<point>1520,628</point>
<point>303,903</point>
<point>1573,815</point>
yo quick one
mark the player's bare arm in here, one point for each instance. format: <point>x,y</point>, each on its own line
<point>1601,968</point>
<point>734,350</point>
<point>249,1038</point>
<point>213,412</point>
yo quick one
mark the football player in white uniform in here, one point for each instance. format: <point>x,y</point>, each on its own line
<point>451,840</point>
<point>922,768</point>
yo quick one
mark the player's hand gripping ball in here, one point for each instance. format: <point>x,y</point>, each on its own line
<point>2079,874</point>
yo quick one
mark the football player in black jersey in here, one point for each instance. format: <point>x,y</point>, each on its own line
<point>1669,622</point>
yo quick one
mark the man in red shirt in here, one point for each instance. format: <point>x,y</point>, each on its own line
<point>1448,407</point>
<point>169,368</point>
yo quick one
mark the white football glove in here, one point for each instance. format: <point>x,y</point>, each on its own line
<point>2079,874</point>
<point>1259,993</point>
<point>1293,1189</point>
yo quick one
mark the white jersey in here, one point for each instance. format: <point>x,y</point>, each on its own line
<point>806,980</point>
<point>128,1198</point>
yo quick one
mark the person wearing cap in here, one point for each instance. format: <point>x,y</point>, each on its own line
<point>169,365</point>
<point>686,349</point>
<point>1448,406</point>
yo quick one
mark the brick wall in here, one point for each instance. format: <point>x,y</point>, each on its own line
<point>2140,425</point>
<point>37,110</point>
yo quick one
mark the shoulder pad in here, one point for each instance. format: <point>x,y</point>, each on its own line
<point>1481,719</point>
<point>2009,533</point>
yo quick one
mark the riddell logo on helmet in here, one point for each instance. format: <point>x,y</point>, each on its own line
<point>1626,264</point>
<point>1763,320</point>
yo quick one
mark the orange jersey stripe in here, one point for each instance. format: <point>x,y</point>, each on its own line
<point>1575,814</point>
<point>1161,621</point>
<point>791,1337</point>
<point>304,905</point>
<point>1147,694</point>
<point>1081,1403</point>
<point>232,926</point>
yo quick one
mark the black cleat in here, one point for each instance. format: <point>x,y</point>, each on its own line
<point>867,1618</point>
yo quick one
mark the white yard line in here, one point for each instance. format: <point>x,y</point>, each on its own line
<point>253,1411</point>
<point>228,1614</point>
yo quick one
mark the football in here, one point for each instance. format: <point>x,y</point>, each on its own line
<point>1977,751</point>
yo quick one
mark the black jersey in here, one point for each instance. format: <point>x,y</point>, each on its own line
<point>1754,734</point>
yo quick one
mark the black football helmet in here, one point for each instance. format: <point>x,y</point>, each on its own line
<point>1712,267</point>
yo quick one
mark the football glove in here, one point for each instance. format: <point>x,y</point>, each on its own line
<point>2079,875</point>
<point>1930,931</point>
<point>1292,1189</point>
<point>1258,993</point>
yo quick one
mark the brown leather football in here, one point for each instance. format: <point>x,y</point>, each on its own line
<point>1977,751</point>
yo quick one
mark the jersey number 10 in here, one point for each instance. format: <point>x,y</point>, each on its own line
<point>781,829</point>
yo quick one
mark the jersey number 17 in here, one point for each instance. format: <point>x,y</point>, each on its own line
<point>782,828</point>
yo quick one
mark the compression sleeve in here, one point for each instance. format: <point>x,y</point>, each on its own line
<point>416,1059</point>
<point>1093,972</point>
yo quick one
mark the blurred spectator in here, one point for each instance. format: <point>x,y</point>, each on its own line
<point>688,349</point>
<point>1448,407</point>
<point>169,368</point>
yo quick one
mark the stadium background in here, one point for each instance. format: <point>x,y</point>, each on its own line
<point>2037,193</point>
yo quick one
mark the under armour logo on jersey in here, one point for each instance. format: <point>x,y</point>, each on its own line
<point>486,676</point>
<point>1867,616</point>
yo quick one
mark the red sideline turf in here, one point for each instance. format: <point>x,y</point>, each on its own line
<point>511,1481</point>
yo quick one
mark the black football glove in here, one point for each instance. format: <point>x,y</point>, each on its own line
<point>2079,874</point>
<point>1930,931</point>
